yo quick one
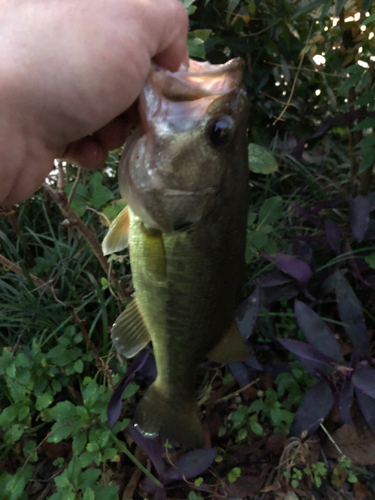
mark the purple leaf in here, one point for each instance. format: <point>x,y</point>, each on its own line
<point>115,403</point>
<point>274,279</point>
<point>314,369</point>
<point>364,379</point>
<point>291,265</point>
<point>239,372</point>
<point>254,363</point>
<point>247,313</point>
<point>367,405</point>
<point>334,236</point>
<point>150,487</point>
<point>351,314</point>
<point>152,447</point>
<point>371,200</point>
<point>346,401</point>
<point>307,351</point>
<point>191,464</point>
<point>360,209</point>
<point>316,331</point>
<point>313,410</point>
<point>148,371</point>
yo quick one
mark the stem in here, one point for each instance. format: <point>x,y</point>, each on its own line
<point>99,362</point>
<point>121,447</point>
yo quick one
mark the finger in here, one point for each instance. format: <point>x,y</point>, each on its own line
<point>114,134</point>
<point>171,50</point>
<point>86,152</point>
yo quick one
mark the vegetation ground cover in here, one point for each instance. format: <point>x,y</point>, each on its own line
<point>297,419</point>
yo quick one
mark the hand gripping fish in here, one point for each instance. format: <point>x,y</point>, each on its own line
<point>184,176</point>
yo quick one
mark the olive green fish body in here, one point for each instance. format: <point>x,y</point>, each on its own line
<point>185,179</point>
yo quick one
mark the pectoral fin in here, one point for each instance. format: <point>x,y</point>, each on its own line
<point>117,237</point>
<point>129,333</point>
<point>230,348</point>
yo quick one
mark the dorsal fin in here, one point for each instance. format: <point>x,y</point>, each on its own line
<point>118,233</point>
<point>230,348</point>
<point>129,332</point>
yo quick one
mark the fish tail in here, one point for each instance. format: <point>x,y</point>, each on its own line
<point>159,414</point>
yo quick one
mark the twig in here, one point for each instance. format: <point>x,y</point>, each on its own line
<point>236,393</point>
<point>18,270</point>
<point>60,198</point>
<point>294,81</point>
<point>122,448</point>
<point>74,187</point>
<point>136,476</point>
<point>99,362</point>
<point>43,441</point>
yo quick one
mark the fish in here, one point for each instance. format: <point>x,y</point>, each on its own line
<point>184,177</point>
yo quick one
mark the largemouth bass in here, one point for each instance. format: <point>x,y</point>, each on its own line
<point>184,176</point>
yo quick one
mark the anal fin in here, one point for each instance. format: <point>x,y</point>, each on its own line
<point>230,347</point>
<point>129,332</point>
<point>118,233</point>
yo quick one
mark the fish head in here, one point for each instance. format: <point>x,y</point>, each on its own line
<point>193,128</point>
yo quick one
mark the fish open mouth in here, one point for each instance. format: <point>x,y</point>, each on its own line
<point>172,103</point>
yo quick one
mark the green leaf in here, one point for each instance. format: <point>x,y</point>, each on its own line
<point>90,394</point>
<point>187,3</point>
<point>9,414</point>
<point>100,194</point>
<point>16,485</point>
<point>13,434</point>
<point>81,198</point>
<point>308,7</point>
<point>371,260</point>
<point>261,161</point>
<point>63,412</point>
<point>130,390</point>
<point>202,34</point>
<point>242,433</point>
<point>258,239</point>
<point>62,433</point>
<point>78,366</point>
<point>196,47</point>
<point>368,159</point>
<point>234,474</point>
<point>90,456</point>
<point>88,494</point>
<point>29,448</point>
<point>369,19</point>
<point>43,401</point>
<point>89,477</point>
<point>256,428</point>
<point>270,210</point>
<point>62,480</point>
<point>79,442</point>
<point>198,481</point>
<point>366,123</point>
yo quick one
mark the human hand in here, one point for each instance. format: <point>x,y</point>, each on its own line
<point>70,71</point>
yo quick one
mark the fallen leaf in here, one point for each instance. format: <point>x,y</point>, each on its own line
<point>361,492</point>
<point>339,475</point>
<point>359,448</point>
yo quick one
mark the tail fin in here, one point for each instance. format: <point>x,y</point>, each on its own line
<point>158,414</point>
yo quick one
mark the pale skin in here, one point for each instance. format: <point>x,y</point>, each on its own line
<point>70,71</point>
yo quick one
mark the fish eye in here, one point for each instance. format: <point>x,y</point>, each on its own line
<point>220,130</point>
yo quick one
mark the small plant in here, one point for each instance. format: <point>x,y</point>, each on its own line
<point>323,359</point>
<point>294,476</point>
<point>234,474</point>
